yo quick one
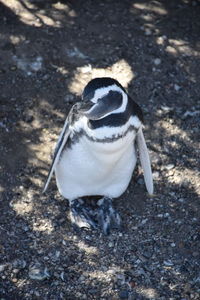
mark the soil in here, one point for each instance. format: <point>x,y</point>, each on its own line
<point>48,51</point>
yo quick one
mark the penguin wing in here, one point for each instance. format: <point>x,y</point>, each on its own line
<point>59,147</point>
<point>145,161</point>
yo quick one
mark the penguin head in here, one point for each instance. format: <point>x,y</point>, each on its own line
<point>102,97</point>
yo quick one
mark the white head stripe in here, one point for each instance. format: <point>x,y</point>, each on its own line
<point>101,92</point>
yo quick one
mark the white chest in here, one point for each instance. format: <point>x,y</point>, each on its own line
<point>100,163</point>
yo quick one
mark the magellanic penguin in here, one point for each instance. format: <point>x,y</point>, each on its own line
<point>95,153</point>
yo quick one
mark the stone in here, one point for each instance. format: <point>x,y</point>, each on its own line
<point>38,272</point>
<point>157,61</point>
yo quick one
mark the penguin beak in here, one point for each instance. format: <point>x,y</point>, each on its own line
<point>91,110</point>
<point>85,106</point>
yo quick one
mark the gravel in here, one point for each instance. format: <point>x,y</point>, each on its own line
<point>152,48</point>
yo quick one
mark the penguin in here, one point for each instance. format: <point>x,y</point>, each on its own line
<point>96,153</point>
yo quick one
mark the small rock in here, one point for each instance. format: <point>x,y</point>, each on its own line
<point>195,254</point>
<point>110,244</point>
<point>166,108</point>
<point>157,61</point>
<point>13,68</point>
<point>2,267</point>
<point>81,278</point>
<point>64,243</point>
<point>37,272</point>
<point>160,40</point>
<point>37,64</point>
<point>168,263</point>
<point>160,215</point>
<point>181,200</point>
<point>166,215</point>
<point>177,87</point>
<point>147,31</point>
<point>147,254</point>
<point>62,276</point>
<point>19,264</point>
<point>170,166</point>
<point>144,221</point>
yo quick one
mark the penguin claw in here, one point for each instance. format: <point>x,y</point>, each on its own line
<point>107,216</point>
<point>80,215</point>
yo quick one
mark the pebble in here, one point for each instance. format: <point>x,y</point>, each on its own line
<point>147,31</point>
<point>181,200</point>
<point>160,40</point>
<point>15,271</point>
<point>160,215</point>
<point>110,244</point>
<point>37,272</point>
<point>147,254</point>
<point>168,263</point>
<point>57,254</point>
<point>144,221</point>
<point>19,264</point>
<point>177,87</point>
<point>157,61</point>
<point>64,243</point>
<point>2,267</point>
<point>166,215</point>
<point>81,278</point>
<point>62,276</point>
<point>170,166</point>
<point>166,108</point>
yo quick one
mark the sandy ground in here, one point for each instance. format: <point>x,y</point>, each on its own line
<point>48,51</point>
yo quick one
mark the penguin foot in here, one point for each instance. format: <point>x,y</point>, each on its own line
<point>107,216</point>
<point>81,215</point>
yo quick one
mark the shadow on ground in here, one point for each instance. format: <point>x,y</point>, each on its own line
<point>49,50</point>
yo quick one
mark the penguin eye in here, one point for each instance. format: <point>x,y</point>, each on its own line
<point>104,106</point>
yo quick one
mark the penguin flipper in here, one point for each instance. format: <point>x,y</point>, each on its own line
<point>145,161</point>
<point>58,149</point>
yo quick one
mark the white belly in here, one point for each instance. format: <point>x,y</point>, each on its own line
<point>93,168</point>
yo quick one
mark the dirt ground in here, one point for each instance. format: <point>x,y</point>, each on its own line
<point>48,51</point>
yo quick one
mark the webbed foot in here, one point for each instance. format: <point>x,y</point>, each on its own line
<point>107,216</point>
<point>81,215</point>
